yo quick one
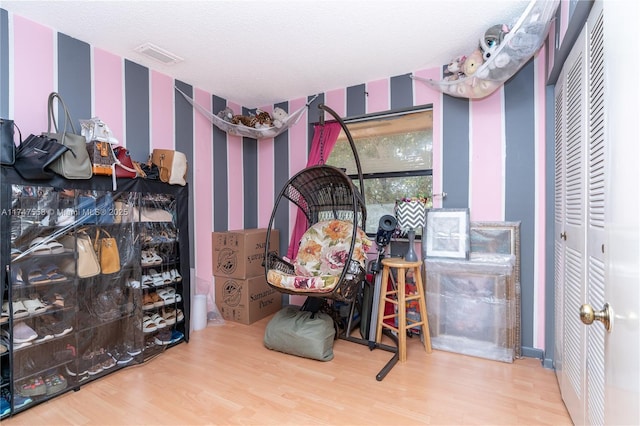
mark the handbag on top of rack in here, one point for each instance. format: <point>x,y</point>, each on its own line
<point>36,155</point>
<point>75,163</point>
<point>7,143</point>
<point>172,166</point>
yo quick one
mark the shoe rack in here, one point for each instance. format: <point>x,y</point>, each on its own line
<point>64,325</point>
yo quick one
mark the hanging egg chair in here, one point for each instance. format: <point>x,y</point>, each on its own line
<point>330,262</point>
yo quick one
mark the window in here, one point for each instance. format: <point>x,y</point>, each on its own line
<point>395,152</point>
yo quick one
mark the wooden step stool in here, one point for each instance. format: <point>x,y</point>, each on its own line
<point>399,299</point>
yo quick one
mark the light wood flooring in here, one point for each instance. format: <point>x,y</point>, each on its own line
<point>225,376</point>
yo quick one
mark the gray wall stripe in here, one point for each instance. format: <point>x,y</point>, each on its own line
<point>220,180</point>
<point>549,250</point>
<point>356,100</point>
<point>74,79</point>
<point>184,143</point>
<point>250,175</point>
<point>455,152</point>
<point>520,180</point>
<point>280,178</point>
<point>401,88</point>
<point>136,83</point>
<point>4,64</point>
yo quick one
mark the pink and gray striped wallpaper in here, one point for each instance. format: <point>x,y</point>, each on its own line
<point>490,155</point>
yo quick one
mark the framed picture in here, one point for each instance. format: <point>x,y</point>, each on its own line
<point>497,237</point>
<point>447,233</point>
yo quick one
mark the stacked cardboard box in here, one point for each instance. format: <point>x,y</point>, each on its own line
<point>242,292</point>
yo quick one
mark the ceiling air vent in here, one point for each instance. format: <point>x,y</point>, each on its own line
<point>159,54</point>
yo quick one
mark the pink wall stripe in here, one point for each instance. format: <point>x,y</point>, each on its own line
<point>540,222</point>
<point>203,196</point>
<point>378,96</point>
<point>33,58</point>
<point>266,185</point>
<point>487,159</point>
<point>108,91</point>
<point>337,101</point>
<point>162,111</point>
<point>235,178</point>
<point>423,95</point>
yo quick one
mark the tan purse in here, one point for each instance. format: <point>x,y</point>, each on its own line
<point>107,249</point>
<point>172,166</point>
<point>87,263</point>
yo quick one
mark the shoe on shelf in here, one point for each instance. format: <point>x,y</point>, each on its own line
<point>160,322</point>
<point>22,333</point>
<point>18,401</point>
<point>148,325</point>
<point>176,336</point>
<point>133,346</point>
<point>163,337</point>
<point>120,355</point>
<point>169,315</point>
<point>175,275</point>
<point>55,383</point>
<point>34,386</point>
<point>5,407</point>
<point>150,258</point>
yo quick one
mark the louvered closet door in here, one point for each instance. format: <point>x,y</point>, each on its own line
<point>580,212</point>
<point>559,168</point>
<point>570,234</point>
<point>596,202</point>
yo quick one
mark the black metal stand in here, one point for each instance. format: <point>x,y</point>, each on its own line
<point>371,343</point>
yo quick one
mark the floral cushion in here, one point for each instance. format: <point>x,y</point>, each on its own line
<point>323,253</point>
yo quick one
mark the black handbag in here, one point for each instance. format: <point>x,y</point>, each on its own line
<point>7,143</point>
<point>35,155</point>
<point>151,171</point>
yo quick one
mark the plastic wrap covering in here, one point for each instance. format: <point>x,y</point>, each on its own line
<point>246,131</point>
<point>471,306</point>
<point>95,278</point>
<point>522,41</point>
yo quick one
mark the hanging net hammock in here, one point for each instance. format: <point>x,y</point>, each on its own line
<point>246,131</point>
<point>522,41</point>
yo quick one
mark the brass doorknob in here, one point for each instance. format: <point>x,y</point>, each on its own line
<point>588,315</point>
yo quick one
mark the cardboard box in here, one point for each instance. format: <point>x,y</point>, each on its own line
<point>239,254</point>
<point>246,301</point>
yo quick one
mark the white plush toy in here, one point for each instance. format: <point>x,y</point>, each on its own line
<point>279,116</point>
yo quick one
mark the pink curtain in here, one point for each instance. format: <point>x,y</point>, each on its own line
<point>324,139</point>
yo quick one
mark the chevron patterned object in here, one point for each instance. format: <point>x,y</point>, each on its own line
<point>411,214</point>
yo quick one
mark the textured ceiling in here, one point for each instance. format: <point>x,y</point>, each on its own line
<point>259,52</point>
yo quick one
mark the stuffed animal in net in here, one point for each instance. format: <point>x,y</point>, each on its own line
<point>491,39</point>
<point>279,117</point>
<point>226,114</point>
<point>264,120</point>
<point>453,70</point>
<point>472,63</point>
<point>244,120</point>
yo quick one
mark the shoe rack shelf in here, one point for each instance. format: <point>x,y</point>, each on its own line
<point>64,325</point>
